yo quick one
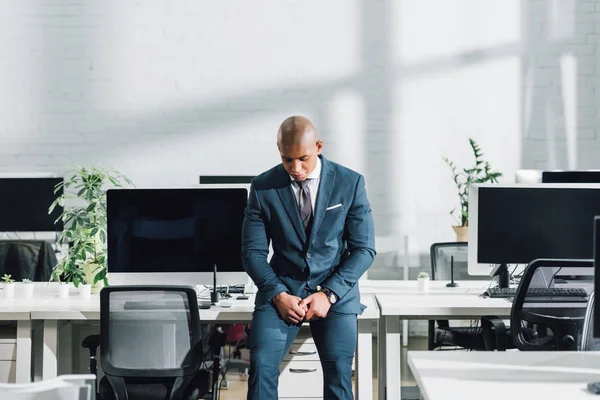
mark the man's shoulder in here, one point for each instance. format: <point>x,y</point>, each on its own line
<point>343,172</point>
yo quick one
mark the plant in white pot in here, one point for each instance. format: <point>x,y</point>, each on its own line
<point>27,288</point>
<point>423,281</point>
<point>85,226</point>
<point>481,172</point>
<point>8,285</point>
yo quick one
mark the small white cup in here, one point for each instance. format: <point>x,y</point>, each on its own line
<point>423,284</point>
<point>85,291</point>
<point>9,290</point>
<point>63,290</point>
<point>27,290</point>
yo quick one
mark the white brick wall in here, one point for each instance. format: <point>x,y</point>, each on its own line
<point>165,91</point>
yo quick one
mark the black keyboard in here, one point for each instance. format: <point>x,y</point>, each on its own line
<point>504,293</point>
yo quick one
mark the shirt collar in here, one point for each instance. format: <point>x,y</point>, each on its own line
<point>316,173</point>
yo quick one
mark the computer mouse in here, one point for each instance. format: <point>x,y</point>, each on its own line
<point>242,297</point>
<point>225,304</point>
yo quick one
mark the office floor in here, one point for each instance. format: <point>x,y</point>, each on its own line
<point>238,386</point>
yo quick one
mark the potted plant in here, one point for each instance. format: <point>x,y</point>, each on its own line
<point>8,284</point>
<point>85,225</point>
<point>423,281</point>
<point>481,172</point>
<point>27,288</point>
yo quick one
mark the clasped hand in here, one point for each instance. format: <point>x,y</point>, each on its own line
<point>293,309</point>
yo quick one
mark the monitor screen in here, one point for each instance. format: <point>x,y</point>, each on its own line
<point>24,205</point>
<point>596,277</point>
<point>175,230</point>
<point>518,224</point>
<point>571,176</point>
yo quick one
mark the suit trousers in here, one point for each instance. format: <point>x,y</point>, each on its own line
<point>271,338</point>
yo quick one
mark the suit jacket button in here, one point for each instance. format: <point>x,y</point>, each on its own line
<point>308,255</point>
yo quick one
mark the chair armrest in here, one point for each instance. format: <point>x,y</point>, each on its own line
<point>493,330</point>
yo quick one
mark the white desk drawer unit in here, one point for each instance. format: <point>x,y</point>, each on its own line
<point>302,351</point>
<point>8,355</point>
<point>301,374</point>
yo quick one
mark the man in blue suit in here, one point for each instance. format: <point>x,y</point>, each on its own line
<point>316,215</point>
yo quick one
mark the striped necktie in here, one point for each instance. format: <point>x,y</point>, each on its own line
<point>305,203</point>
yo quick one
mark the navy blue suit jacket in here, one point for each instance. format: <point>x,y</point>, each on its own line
<point>340,246</point>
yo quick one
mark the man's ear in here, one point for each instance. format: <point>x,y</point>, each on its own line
<point>319,146</point>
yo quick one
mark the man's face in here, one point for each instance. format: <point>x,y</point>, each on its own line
<point>299,160</point>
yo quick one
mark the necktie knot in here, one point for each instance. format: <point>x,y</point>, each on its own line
<point>302,184</point>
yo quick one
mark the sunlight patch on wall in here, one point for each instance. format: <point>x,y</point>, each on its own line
<point>346,116</point>
<point>430,30</point>
<point>212,54</point>
<point>568,74</point>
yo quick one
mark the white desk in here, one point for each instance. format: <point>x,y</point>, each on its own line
<point>56,311</point>
<point>427,306</point>
<point>18,309</point>
<point>435,287</point>
<point>504,375</point>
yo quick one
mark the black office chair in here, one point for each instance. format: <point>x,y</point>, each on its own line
<point>588,341</point>
<point>443,256</point>
<point>150,345</point>
<point>548,322</point>
<point>27,259</point>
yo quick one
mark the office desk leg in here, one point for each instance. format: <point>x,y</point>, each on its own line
<point>23,372</point>
<point>381,358</point>
<point>364,360</point>
<point>50,350</point>
<point>65,348</point>
<point>392,359</point>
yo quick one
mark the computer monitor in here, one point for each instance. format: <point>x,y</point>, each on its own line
<point>589,176</point>
<point>175,235</point>
<point>597,277</point>
<point>516,224</point>
<point>24,204</point>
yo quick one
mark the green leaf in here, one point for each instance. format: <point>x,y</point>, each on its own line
<point>481,172</point>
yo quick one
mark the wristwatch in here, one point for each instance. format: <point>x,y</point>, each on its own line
<point>332,297</point>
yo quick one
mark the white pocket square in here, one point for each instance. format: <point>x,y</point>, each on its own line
<point>332,207</point>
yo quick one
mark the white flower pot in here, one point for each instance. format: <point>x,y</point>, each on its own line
<point>9,290</point>
<point>85,291</point>
<point>63,290</point>
<point>423,284</point>
<point>27,290</point>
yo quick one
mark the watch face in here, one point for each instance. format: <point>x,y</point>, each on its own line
<point>332,298</point>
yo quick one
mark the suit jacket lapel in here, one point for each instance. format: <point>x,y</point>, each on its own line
<point>286,194</point>
<point>323,196</point>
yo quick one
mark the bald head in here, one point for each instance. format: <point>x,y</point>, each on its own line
<point>299,147</point>
<point>296,130</point>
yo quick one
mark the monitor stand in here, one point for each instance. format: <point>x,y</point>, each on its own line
<point>451,283</point>
<point>501,271</point>
<point>214,295</point>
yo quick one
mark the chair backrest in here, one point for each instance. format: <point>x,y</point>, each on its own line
<point>27,259</point>
<point>64,387</point>
<point>541,320</point>
<point>149,331</point>
<point>444,255</point>
<point>588,342</point>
